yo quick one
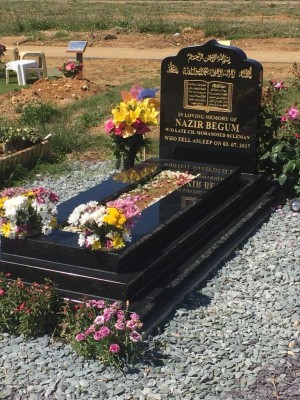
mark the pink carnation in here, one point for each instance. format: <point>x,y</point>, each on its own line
<point>80,337</point>
<point>1,292</point>
<point>135,337</point>
<point>114,348</point>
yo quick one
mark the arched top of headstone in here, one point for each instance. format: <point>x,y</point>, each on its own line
<point>210,96</point>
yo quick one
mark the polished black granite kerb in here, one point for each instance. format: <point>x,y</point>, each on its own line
<point>159,225</point>
<point>210,97</point>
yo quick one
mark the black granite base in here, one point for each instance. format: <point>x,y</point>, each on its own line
<point>173,243</point>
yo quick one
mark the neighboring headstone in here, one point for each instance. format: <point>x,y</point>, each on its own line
<point>210,96</point>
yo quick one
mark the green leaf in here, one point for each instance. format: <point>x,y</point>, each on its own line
<point>282,179</point>
<point>265,156</point>
<point>278,147</point>
<point>290,166</point>
<point>273,157</point>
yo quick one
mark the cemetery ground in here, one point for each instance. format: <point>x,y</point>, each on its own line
<point>189,374</point>
<point>100,79</point>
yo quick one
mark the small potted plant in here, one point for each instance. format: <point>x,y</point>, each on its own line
<point>27,212</point>
<point>71,68</point>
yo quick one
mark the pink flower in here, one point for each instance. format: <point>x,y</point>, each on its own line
<point>104,331</point>
<point>135,317</point>
<point>278,85</point>
<point>284,118</point>
<point>99,320</point>
<point>1,292</point>
<point>70,67</point>
<point>114,348</point>
<point>100,304</point>
<point>119,129</point>
<point>90,330</point>
<point>120,315</point>
<point>109,126</point>
<point>131,324</point>
<point>135,337</point>
<point>80,337</point>
<point>293,113</point>
<point>97,335</point>
<point>120,326</point>
<point>297,135</point>
<point>107,314</point>
<point>140,127</point>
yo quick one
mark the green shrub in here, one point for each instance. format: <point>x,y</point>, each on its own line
<point>33,114</point>
<point>102,330</point>
<point>19,138</point>
<point>28,310</point>
<point>279,134</point>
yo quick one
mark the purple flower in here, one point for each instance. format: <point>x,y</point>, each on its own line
<point>114,348</point>
<point>80,337</point>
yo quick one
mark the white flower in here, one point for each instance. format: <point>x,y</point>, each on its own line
<point>46,230</point>
<point>81,240</point>
<point>91,239</point>
<point>13,205</point>
<point>126,236</point>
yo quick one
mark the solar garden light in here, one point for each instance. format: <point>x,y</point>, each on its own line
<point>295,205</point>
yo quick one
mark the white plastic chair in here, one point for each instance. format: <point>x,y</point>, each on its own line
<point>38,56</point>
<point>21,67</point>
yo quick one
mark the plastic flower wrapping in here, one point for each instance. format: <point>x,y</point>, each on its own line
<point>27,211</point>
<point>104,226</point>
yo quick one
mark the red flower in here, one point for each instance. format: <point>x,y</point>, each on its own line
<point>297,135</point>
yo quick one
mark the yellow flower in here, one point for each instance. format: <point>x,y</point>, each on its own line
<point>2,201</point>
<point>118,242</point>
<point>96,245</point>
<point>6,229</point>
<point>53,222</point>
<point>114,217</point>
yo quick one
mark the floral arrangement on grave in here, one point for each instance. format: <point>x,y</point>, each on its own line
<point>25,212</point>
<point>71,68</point>
<point>104,227</point>
<point>131,120</point>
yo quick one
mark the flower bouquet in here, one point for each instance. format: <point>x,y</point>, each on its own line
<point>104,226</point>
<point>25,212</point>
<point>71,68</point>
<point>130,122</point>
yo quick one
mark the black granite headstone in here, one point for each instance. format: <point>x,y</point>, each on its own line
<point>210,96</point>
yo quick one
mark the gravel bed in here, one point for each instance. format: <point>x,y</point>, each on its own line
<point>236,337</point>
